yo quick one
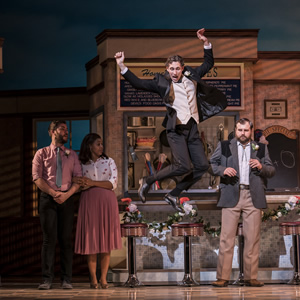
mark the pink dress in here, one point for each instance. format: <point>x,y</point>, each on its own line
<point>98,224</point>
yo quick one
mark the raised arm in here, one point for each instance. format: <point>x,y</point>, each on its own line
<point>120,57</point>
<point>139,84</point>
<point>201,37</point>
<point>208,54</point>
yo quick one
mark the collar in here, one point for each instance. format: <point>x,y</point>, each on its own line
<point>93,162</point>
<point>53,147</point>
<point>239,144</point>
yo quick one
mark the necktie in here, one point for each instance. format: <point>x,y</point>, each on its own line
<point>58,168</point>
<point>244,152</point>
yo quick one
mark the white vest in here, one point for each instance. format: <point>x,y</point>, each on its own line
<point>185,102</point>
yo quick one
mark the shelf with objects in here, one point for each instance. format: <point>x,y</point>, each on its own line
<point>148,150</point>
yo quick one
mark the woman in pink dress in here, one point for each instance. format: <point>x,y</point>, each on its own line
<point>98,225</point>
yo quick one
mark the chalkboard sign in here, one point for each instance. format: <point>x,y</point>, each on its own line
<point>227,77</point>
<point>231,89</point>
<point>130,97</point>
<point>283,150</point>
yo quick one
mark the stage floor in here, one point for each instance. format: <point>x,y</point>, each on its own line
<point>14,290</point>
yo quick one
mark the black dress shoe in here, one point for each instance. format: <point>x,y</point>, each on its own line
<point>174,201</point>
<point>46,285</point>
<point>143,189</point>
<point>66,284</point>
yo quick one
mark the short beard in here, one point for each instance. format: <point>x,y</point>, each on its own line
<point>60,139</point>
<point>244,142</point>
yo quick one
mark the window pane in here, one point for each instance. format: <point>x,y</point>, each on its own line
<point>80,128</point>
<point>42,137</point>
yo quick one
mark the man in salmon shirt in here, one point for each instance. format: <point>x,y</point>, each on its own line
<point>52,170</point>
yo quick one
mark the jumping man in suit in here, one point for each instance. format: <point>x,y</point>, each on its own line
<point>188,101</point>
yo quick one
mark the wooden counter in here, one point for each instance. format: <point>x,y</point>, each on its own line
<point>206,199</point>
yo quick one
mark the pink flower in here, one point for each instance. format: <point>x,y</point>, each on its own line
<point>132,208</point>
<point>184,199</point>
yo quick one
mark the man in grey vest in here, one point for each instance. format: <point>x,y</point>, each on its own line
<point>243,166</point>
<point>188,101</point>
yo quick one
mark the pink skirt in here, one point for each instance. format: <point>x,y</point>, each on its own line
<point>98,224</point>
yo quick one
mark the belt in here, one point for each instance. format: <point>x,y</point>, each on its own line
<point>187,126</point>
<point>244,187</point>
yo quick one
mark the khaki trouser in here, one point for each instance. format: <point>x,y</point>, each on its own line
<point>251,231</point>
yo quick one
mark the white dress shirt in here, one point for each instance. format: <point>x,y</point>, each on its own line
<point>244,157</point>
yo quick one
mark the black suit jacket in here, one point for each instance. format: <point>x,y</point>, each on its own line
<point>210,100</point>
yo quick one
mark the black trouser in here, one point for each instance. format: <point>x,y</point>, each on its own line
<point>57,223</point>
<point>186,148</point>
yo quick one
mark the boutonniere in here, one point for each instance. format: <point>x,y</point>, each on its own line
<point>187,73</point>
<point>255,147</point>
<point>67,152</point>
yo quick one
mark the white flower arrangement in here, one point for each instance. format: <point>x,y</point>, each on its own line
<point>132,214</point>
<point>177,217</point>
<point>282,210</point>
<point>188,211</point>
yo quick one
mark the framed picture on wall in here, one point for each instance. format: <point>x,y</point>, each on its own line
<point>276,109</point>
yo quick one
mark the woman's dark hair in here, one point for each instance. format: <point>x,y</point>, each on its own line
<point>85,152</point>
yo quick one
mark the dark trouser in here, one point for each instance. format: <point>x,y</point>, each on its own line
<point>186,148</point>
<point>57,223</point>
